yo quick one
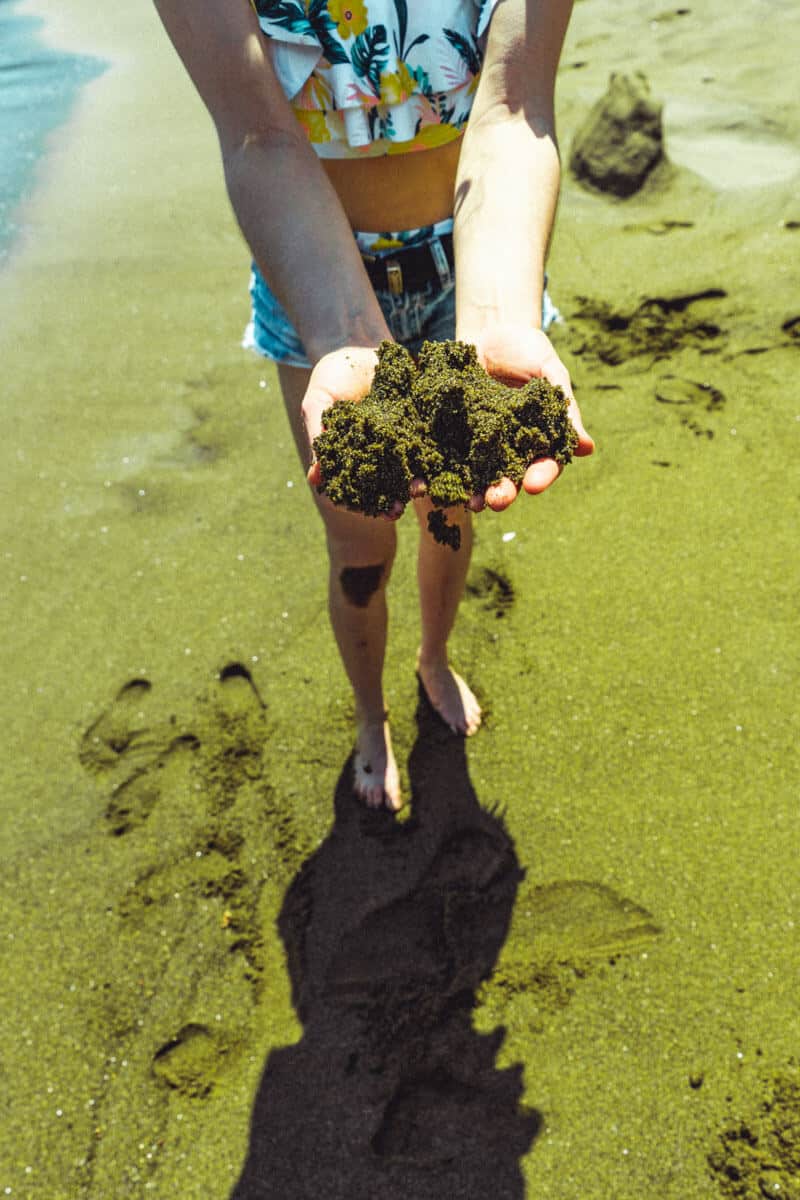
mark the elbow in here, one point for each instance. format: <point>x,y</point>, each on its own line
<point>251,148</point>
<point>239,146</point>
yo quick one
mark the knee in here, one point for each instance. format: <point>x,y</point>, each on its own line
<point>361,552</point>
<point>359,584</point>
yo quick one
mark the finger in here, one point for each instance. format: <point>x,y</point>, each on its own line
<point>585,441</point>
<point>540,475</point>
<point>395,511</point>
<point>311,411</point>
<point>417,488</point>
<point>314,475</point>
<point>501,494</point>
<point>476,503</point>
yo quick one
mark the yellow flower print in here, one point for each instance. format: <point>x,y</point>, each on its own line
<point>428,138</point>
<point>314,94</point>
<point>350,17</point>
<point>397,86</point>
<point>314,124</point>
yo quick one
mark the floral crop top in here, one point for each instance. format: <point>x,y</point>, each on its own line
<point>370,77</point>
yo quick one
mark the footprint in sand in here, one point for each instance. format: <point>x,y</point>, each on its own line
<point>122,731</point>
<point>132,801</point>
<point>132,746</point>
<point>192,1061</point>
<point>127,741</point>
<point>234,721</point>
<point>692,399</point>
<point>578,919</point>
<point>560,932</point>
<point>238,691</point>
<point>199,838</point>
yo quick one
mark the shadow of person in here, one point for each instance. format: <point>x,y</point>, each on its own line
<point>389,928</point>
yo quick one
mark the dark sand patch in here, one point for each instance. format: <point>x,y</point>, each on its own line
<point>657,328</point>
<point>759,1157</point>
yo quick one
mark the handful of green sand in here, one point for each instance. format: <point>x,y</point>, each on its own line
<point>442,419</point>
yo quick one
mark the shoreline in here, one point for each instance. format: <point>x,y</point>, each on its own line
<point>45,81</point>
<point>74,28</point>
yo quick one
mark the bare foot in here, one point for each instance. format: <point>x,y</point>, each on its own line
<point>375,777</point>
<point>452,698</point>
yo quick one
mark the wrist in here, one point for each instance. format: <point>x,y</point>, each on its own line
<point>365,331</point>
<point>485,327</point>
<point>519,308</point>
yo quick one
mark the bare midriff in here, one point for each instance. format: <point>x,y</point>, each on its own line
<point>396,191</point>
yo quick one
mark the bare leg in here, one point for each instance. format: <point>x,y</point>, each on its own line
<point>360,552</point>
<point>441,574</point>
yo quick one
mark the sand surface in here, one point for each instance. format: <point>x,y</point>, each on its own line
<point>199,925</point>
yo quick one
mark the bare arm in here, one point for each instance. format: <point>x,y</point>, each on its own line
<point>287,209</point>
<point>509,173</point>
<point>505,205</point>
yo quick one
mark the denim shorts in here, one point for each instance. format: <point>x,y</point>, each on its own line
<point>413,317</point>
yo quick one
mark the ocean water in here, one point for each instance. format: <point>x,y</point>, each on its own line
<point>38,87</point>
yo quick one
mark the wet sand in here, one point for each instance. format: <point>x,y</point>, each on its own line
<point>608,870</point>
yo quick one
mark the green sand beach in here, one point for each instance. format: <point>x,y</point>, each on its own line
<point>572,969</point>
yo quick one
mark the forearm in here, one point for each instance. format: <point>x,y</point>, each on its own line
<point>287,209</point>
<point>506,196</point>
<point>299,236</point>
<point>509,171</point>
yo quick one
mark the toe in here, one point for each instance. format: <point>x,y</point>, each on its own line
<point>376,782</point>
<point>473,724</point>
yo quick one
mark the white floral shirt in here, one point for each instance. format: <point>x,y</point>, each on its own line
<point>368,77</point>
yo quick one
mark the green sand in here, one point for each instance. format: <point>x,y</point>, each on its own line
<point>441,419</point>
<point>633,646</point>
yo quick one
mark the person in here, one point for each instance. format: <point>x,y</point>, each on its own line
<point>432,122</point>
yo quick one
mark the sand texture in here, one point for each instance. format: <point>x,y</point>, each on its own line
<point>572,969</point>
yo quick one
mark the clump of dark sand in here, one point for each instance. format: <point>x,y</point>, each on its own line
<point>442,419</point>
<point>760,1156</point>
<point>621,140</point>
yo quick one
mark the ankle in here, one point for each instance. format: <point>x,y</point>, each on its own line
<point>371,717</point>
<point>432,659</point>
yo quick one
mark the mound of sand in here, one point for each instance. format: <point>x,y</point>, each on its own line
<point>621,140</point>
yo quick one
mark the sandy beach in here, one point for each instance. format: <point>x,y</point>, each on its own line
<point>571,970</point>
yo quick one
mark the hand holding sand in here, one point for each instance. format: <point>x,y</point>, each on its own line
<point>514,355</point>
<point>445,421</point>
<point>344,374</point>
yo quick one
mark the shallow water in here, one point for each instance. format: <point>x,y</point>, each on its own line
<point>38,87</point>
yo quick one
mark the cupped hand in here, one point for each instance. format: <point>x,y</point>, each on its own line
<point>514,354</point>
<point>344,374</point>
